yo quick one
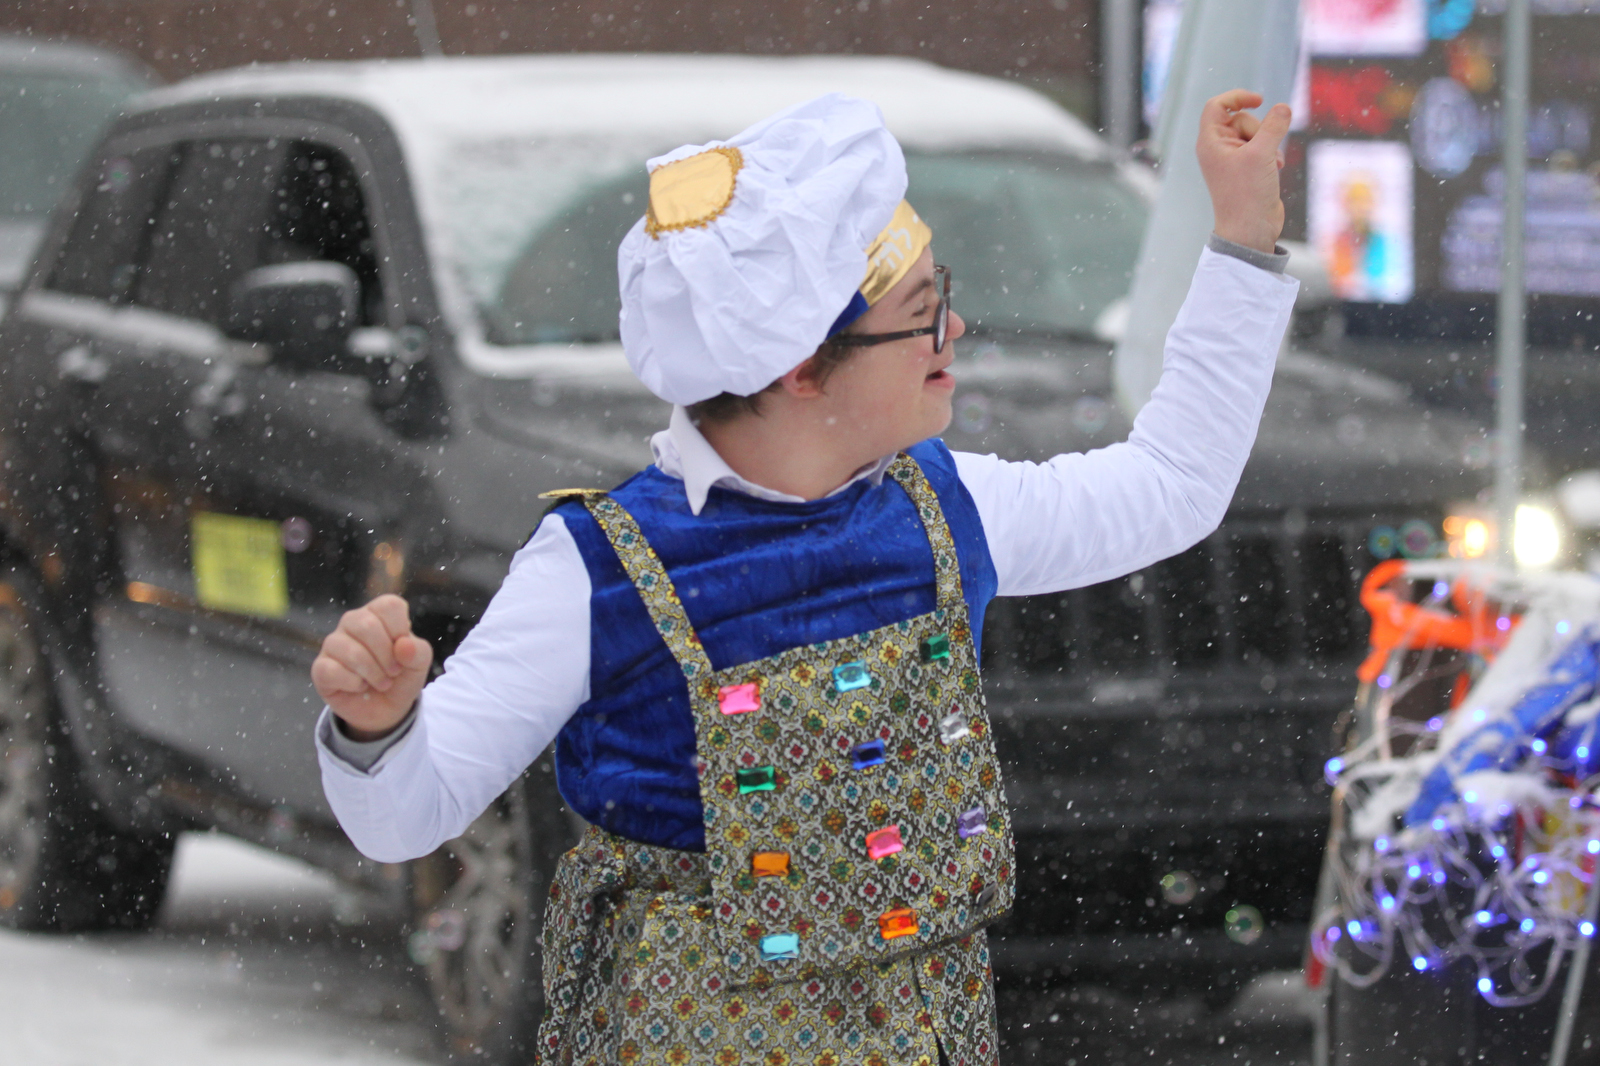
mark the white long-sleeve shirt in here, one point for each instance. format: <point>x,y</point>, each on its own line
<point>1076,520</point>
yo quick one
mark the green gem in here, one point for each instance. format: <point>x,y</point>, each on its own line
<point>761,779</point>
<point>935,647</point>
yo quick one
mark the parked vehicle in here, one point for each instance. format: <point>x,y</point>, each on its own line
<point>56,99</point>
<point>306,334</point>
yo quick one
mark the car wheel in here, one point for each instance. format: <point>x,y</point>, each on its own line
<point>478,913</point>
<point>63,865</point>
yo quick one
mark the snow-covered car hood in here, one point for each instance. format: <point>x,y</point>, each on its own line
<point>1331,436</point>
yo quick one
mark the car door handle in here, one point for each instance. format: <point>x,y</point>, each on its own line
<point>80,363</point>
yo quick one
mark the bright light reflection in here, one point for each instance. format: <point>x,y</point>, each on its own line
<point>1537,541</point>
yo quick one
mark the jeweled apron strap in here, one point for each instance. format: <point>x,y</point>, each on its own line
<point>644,569</point>
<point>946,564</point>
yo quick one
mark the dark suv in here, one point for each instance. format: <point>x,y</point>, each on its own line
<point>315,333</point>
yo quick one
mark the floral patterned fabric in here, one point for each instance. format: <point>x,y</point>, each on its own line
<point>857,843</point>
<point>630,977</point>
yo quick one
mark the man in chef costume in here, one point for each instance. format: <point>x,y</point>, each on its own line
<point>758,657</point>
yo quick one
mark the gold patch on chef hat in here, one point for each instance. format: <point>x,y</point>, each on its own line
<point>693,191</point>
<point>894,252</point>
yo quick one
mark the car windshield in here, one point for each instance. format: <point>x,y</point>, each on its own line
<point>1038,243</point>
<point>48,123</point>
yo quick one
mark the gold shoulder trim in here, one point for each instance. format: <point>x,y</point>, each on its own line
<point>562,494</point>
<point>693,191</point>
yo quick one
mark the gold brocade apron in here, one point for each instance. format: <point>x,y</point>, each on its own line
<point>857,841</point>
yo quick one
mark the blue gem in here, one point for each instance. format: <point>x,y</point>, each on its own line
<point>851,676</point>
<point>867,753</point>
<point>780,946</point>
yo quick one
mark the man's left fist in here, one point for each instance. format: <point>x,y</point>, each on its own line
<point>1240,157</point>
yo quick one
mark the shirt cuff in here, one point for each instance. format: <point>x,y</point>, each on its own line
<point>1276,262</point>
<point>363,754</point>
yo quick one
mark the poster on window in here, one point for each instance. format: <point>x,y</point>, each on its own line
<point>1365,27</point>
<point>1359,217</point>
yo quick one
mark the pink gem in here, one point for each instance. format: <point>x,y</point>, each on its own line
<point>737,699</point>
<point>884,842</point>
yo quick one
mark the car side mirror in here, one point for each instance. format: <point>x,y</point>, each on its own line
<point>305,311</point>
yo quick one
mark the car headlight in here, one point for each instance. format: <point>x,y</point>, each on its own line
<point>1536,543</point>
<point>1537,540</point>
<point>1468,536</point>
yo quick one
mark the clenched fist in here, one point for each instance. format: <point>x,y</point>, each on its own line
<point>1240,158</point>
<point>372,668</point>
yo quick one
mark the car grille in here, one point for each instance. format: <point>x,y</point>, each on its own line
<point>1176,720</point>
<point>1277,591</point>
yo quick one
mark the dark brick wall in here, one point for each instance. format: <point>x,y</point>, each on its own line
<point>1048,43</point>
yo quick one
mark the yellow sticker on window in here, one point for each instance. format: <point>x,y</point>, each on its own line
<point>239,564</point>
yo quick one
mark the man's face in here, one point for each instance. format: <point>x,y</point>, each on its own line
<point>893,395</point>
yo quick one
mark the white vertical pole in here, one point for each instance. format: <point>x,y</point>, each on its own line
<point>1223,44</point>
<point>1511,322</point>
<point>426,27</point>
<point>1119,71</point>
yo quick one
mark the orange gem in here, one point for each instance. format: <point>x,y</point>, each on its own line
<point>902,921</point>
<point>770,864</point>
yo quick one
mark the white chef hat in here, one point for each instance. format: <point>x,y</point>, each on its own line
<point>756,249</point>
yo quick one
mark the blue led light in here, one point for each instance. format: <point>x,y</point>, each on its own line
<point>1333,932</point>
<point>1583,751</point>
<point>1387,903</point>
<point>1562,627</point>
<point>1541,877</point>
<point>1441,589</point>
<point>1331,770</point>
<point>1414,871</point>
<point>1497,851</point>
<point>1485,985</point>
<point>1594,847</point>
<point>1420,963</point>
<point>1526,925</point>
<point>1354,927</point>
<point>1381,844</point>
<point>1438,877</point>
<point>1586,928</point>
<point>1438,825</point>
<point>1470,797</point>
<point>1538,746</point>
<point>1383,681</point>
<point>1479,715</point>
<point>1484,917</point>
<point>1435,724</point>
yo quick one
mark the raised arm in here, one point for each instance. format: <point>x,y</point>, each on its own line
<point>1079,519</point>
<point>403,783</point>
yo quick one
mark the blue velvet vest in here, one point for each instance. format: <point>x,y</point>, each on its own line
<point>756,578</point>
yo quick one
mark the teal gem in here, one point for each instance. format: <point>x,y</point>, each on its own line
<point>780,946</point>
<point>935,647</point>
<point>851,676</point>
<point>761,779</point>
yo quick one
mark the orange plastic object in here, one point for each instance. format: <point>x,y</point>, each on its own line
<point>902,921</point>
<point>1397,622</point>
<point>770,864</point>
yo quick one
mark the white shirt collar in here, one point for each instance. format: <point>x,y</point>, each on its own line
<point>682,452</point>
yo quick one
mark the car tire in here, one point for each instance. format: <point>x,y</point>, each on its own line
<point>478,915</point>
<point>64,866</point>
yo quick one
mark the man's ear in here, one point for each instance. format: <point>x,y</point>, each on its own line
<point>804,381</point>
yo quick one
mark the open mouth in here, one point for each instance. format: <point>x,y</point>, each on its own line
<point>941,376</point>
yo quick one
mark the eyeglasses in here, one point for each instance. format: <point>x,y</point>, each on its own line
<point>940,328</point>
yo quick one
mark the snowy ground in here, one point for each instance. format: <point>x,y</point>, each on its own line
<point>247,968</point>
<point>250,966</point>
